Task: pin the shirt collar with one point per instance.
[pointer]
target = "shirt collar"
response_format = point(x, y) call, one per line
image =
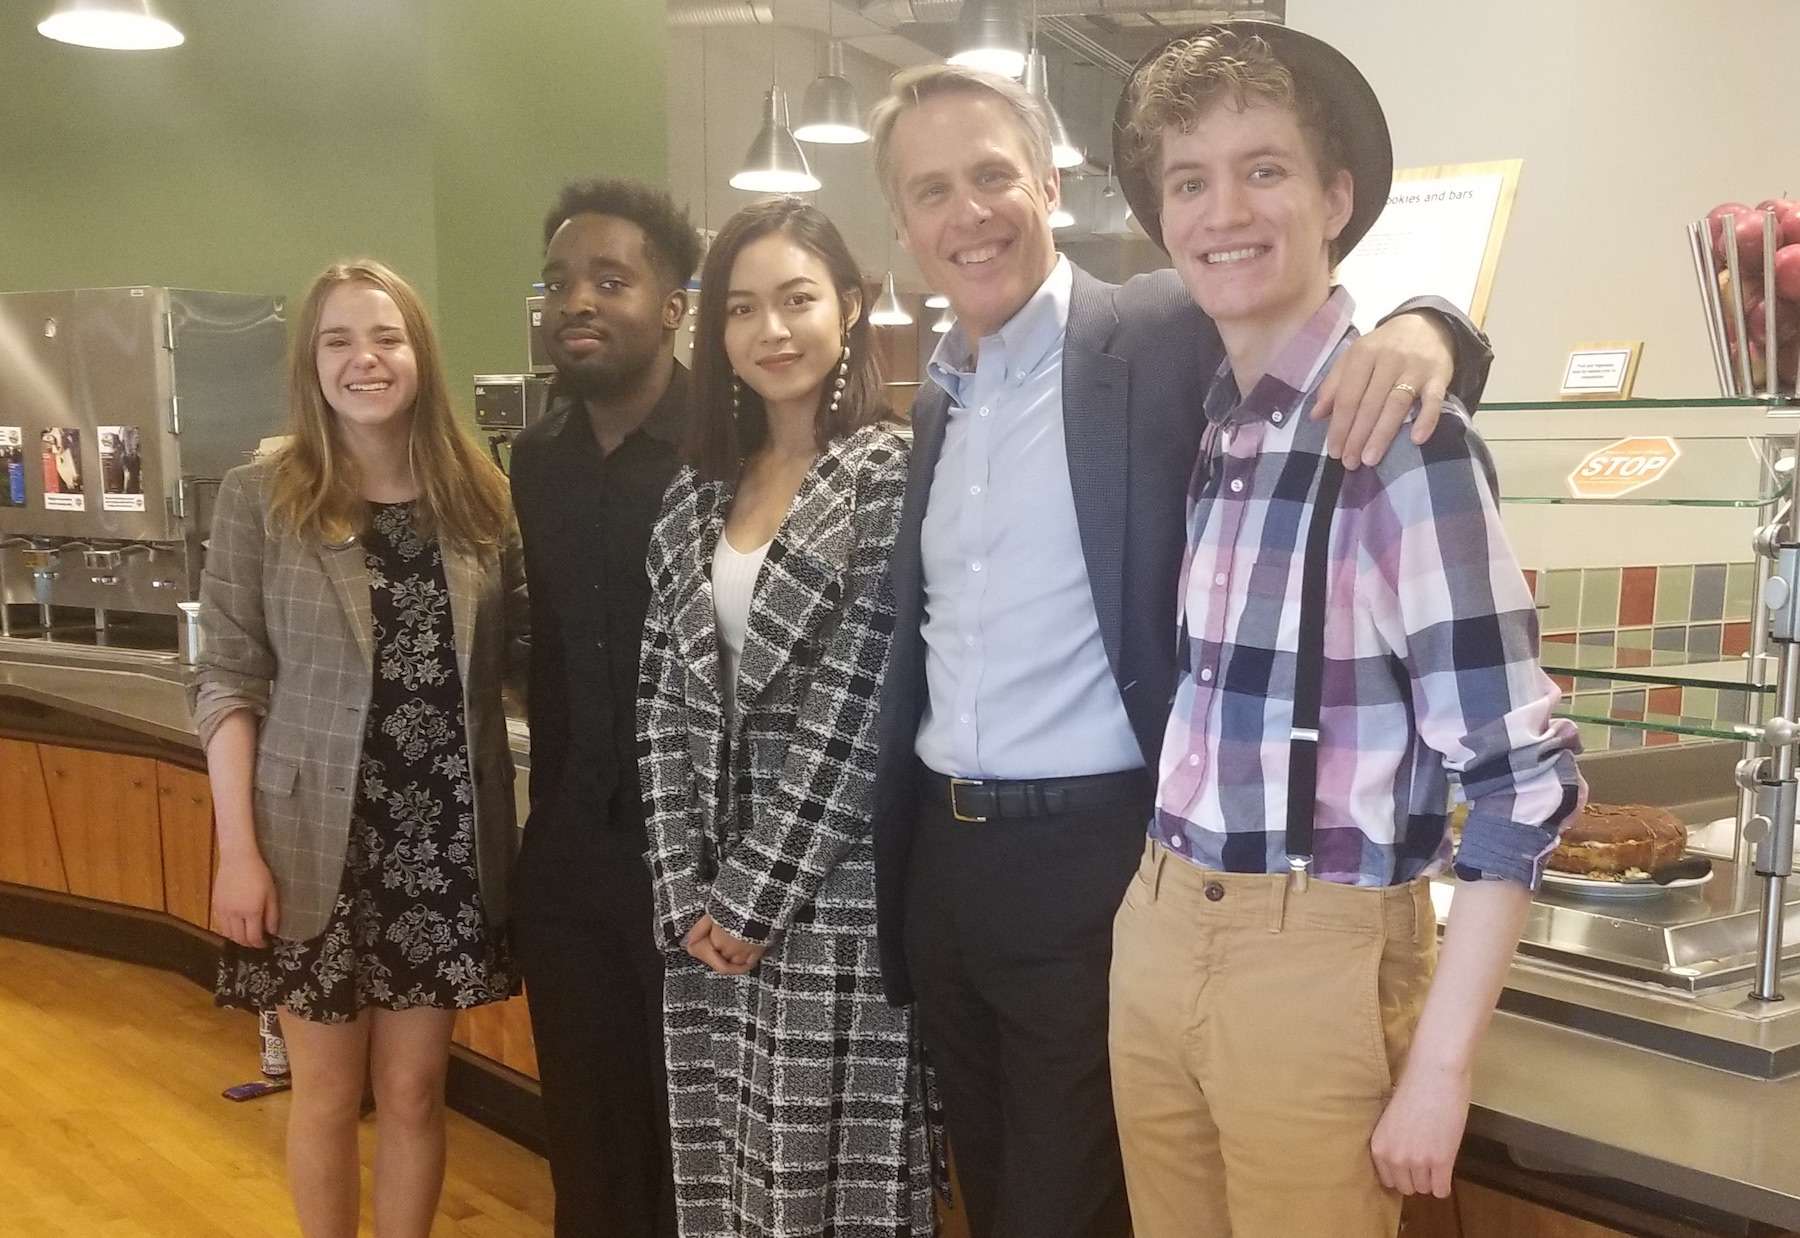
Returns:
point(1292, 373)
point(1028, 337)
point(666, 422)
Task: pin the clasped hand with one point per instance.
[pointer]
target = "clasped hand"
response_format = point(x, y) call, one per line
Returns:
point(719, 950)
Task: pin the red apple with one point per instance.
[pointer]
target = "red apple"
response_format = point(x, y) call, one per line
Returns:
point(1715, 219)
point(1749, 229)
point(1787, 272)
point(1787, 220)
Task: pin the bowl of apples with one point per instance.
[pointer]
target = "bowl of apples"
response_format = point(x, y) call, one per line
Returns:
point(1747, 259)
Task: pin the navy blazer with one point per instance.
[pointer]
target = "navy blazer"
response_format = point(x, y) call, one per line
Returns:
point(1137, 360)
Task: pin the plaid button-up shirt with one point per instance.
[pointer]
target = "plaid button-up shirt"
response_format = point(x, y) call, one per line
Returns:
point(1430, 649)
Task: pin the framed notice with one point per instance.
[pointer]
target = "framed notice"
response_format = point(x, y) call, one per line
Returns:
point(1604, 370)
point(1439, 235)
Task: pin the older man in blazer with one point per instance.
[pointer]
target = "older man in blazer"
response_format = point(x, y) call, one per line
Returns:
point(1034, 658)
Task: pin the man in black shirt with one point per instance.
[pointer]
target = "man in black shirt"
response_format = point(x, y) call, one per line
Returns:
point(588, 482)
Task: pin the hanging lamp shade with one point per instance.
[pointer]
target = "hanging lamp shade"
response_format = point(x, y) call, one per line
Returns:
point(113, 25)
point(775, 164)
point(1061, 217)
point(944, 322)
point(937, 300)
point(829, 113)
point(888, 311)
point(990, 34)
point(1064, 153)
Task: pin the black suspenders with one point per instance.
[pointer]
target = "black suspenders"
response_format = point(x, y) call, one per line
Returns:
point(1309, 669)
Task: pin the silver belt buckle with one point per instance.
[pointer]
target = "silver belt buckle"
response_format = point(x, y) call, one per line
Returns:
point(957, 812)
point(1299, 873)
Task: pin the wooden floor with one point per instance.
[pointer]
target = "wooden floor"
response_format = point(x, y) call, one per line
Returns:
point(111, 1123)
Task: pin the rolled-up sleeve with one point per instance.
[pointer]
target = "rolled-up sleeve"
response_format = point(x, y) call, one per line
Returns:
point(1470, 650)
point(236, 665)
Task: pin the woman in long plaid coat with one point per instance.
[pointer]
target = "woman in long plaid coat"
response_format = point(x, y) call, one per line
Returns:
point(796, 1098)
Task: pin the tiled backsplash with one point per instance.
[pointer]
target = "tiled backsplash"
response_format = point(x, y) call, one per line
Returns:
point(1634, 616)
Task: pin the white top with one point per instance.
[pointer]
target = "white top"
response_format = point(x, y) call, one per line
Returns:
point(734, 583)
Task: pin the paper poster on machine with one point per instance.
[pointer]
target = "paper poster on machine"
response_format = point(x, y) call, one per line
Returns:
point(121, 470)
point(62, 470)
point(12, 466)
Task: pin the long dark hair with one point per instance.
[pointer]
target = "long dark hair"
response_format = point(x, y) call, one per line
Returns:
point(719, 441)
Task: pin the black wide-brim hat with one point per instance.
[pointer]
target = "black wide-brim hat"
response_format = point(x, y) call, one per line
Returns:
point(1350, 107)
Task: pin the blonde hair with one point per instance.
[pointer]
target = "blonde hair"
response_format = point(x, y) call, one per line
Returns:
point(911, 87)
point(314, 492)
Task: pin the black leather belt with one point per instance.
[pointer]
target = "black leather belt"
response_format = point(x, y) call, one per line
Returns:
point(976, 800)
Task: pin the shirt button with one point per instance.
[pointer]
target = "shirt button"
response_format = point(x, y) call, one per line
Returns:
point(1214, 891)
point(964, 719)
point(1275, 417)
point(974, 489)
point(1206, 674)
point(975, 566)
point(984, 411)
point(969, 641)
point(1218, 578)
point(1193, 758)
point(1237, 485)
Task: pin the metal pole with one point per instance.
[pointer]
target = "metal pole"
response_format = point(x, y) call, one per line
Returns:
point(1776, 795)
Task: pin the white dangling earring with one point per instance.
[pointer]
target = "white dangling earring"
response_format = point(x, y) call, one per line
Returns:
point(843, 377)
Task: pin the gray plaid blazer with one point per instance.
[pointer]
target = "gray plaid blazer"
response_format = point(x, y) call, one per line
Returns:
point(769, 821)
point(288, 635)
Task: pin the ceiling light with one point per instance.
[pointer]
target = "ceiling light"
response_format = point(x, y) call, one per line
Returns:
point(1063, 151)
point(775, 164)
point(888, 311)
point(937, 300)
point(829, 113)
point(944, 322)
point(990, 34)
point(114, 25)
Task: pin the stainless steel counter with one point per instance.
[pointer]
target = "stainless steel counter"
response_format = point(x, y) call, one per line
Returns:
point(1558, 1098)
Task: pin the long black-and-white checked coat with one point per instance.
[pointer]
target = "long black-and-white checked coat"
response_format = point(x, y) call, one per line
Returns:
point(796, 1097)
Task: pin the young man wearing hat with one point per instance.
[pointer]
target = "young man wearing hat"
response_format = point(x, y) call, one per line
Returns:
point(1283, 1060)
point(1032, 666)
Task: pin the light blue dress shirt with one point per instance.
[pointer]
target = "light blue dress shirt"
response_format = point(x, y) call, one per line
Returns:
point(1016, 672)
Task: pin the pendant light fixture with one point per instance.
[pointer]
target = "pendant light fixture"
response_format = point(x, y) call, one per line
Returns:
point(1064, 153)
point(990, 34)
point(113, 25)
point(775, 164)
point(888, 311)
point(944, 322)
point(1061, 217)
point(937, 300)
point(829, 113)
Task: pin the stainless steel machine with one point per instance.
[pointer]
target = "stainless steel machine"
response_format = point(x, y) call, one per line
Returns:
point(120, 411)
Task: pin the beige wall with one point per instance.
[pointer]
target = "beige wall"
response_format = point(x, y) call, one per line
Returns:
point(1632, 117)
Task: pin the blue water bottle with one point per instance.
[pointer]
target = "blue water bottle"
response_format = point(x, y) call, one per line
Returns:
point(15, 481)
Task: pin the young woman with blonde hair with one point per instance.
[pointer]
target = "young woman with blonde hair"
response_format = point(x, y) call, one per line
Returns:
point(362, 602)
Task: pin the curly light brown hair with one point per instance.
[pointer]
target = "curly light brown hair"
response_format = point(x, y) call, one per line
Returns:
point(1192, 76)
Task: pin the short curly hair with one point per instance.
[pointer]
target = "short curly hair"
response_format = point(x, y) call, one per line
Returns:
point(674, 246)
point(1194, 75)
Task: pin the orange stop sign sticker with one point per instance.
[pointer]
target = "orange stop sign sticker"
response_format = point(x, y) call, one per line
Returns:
point(1621, 467)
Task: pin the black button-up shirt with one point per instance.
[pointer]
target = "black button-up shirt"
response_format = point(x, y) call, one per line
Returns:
point(586, 520)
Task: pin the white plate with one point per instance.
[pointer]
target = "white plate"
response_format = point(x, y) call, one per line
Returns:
point(1602, 887)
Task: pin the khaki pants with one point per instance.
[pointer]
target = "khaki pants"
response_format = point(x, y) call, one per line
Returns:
point(1256, 1033)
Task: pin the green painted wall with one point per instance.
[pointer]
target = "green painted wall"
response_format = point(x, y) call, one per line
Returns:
point(285, 133)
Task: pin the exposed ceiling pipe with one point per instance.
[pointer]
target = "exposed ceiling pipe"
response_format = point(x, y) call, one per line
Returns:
point(697, 13)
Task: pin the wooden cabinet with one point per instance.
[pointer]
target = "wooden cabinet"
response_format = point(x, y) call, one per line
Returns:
point(30, 854)
point(184, 806)
point(105, 811)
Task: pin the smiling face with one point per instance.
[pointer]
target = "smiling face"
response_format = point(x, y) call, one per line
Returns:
point(784, 322)
point(1247, 220)
point(974, 211)
point(365, 361)
point(607, 309)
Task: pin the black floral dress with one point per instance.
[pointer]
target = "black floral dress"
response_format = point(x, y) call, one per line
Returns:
point(408, 928)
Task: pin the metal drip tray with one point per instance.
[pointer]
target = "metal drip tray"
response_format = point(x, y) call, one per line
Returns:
point(1692, 940)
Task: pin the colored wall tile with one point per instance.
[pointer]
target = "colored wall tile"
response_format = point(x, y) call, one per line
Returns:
point(1670, 640)
point(1709, 592)
point(1736, 639)
point(1703, 642)
point(1660, 739)
point(1699, 702)
point(1637, 596)
point(1666, 701)
point(1734, 706)
point(1674, 591)
point(1629, 704)
point(1559, 593)
point(1634, 647)
point(1599, 598)
point(1740, 590)
point(1624, 737)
